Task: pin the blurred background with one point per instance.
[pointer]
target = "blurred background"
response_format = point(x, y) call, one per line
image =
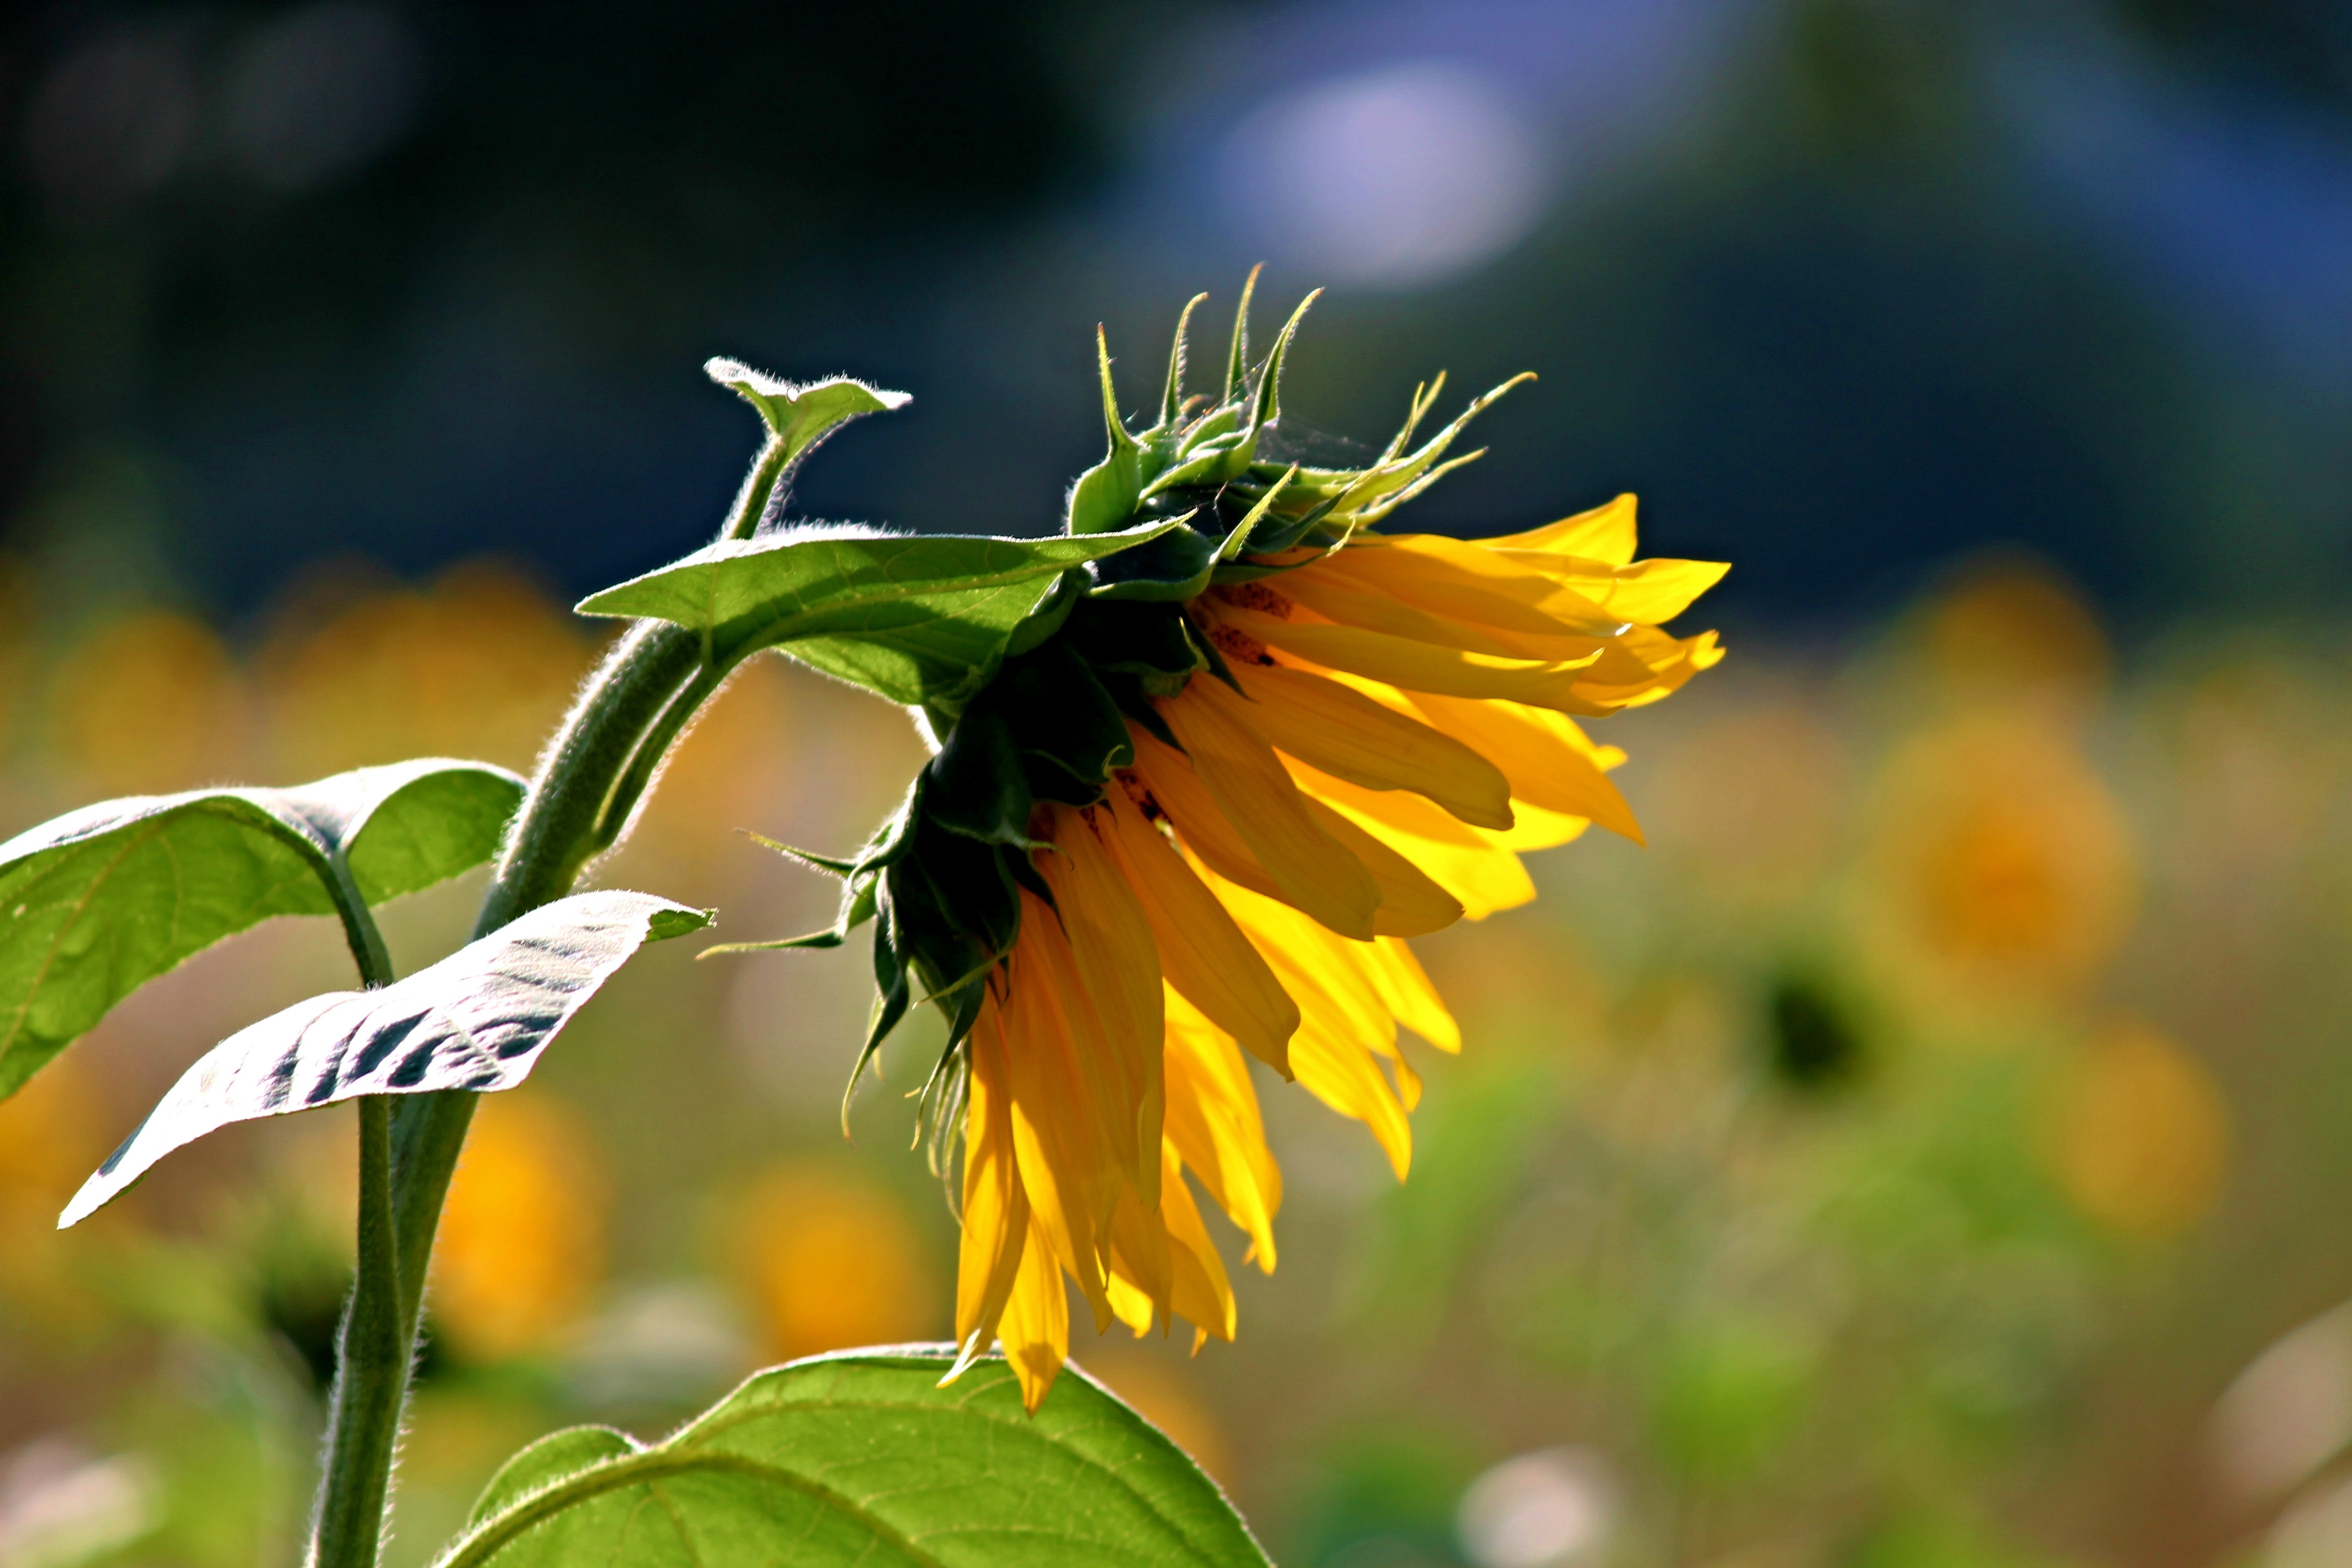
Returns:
point(1929, 1153)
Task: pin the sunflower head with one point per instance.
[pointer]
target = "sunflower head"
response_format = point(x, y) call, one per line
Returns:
point(942, 879)
point(1188, 811)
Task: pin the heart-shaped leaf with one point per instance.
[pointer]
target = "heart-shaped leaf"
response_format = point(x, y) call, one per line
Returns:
point(862, 1458)
point(478, 1020)
point(919, 618)
point(99, 901)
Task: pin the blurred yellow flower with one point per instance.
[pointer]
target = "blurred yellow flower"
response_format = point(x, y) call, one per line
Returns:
point(2140, 1133)
point(49, 1140)
point(831, 1261)
point(148, 703)
point(521, 1243)
point(481, 664)
point(2004, 857)
point(2010, 626)
point(1398, 731)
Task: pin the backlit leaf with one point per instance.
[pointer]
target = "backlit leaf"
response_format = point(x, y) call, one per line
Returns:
point(99, 901)
point(478, 1020)
point(801, 416)
point(861, 1458)
point(919, 618)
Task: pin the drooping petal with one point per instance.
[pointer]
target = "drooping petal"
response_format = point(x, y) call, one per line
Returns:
point(1202, 953)
point(1405, 989)
point(1411, 904)
point(1548, 760)
point(1141, 1277)
point(1199, 1290)
point(995, 1204)
point(1345, 733)
point(1115, 1005)
point(1247, 780)
point(1483, 876)
point(1215, 1125)
point(1036, 1324)
point(1062, 1146)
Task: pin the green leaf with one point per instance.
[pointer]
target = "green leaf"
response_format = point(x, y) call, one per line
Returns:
point(478, 1020)
point(921, 619)
point(97, 902)
point(800, 415)
point(860, 1459)
point(547, 1461)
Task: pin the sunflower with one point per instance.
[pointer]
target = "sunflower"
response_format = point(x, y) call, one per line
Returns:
point(1216, 783)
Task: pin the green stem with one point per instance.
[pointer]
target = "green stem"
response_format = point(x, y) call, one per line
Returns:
point(371, 1368)
point(370, 1358)
point(601, 762)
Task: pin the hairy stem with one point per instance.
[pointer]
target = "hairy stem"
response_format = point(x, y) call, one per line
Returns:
point(370, 1358)
point(371, 1369)
point(590, 779)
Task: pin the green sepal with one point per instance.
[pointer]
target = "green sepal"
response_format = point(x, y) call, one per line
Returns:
point(1171, 569)
point(1172, 397)
point(815, 862)
point(1105, 494)
point(857, 905)
point(1132, 639)
point(1213, 658)
point(1061, 715)
point(1135, 701)
point(1237, 356)
point(890, 1002)
point(1024, 875)
point(1268, 407)
point(1043, 622)
point(977, 787)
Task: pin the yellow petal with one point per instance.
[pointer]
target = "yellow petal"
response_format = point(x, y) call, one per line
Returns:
point(1215, 1125)
point(1201, 952)
point(1478, 590)
point(1060, 1140)
point(1317, 967)
point(1142, 1271)
point(1342, 1020)
point(1408, 1082)
point(1036, 1325)
point(1536, 829)
point(1419, 665)
point(1247, 780)
point(1405, 988)
point(995, 1205)
point(1114, 1008)
point(1346, 733)
point(1201, 1291)
point(1172, 788)
point(1650, 592)
point(1411, 904)
point(1343, 1076)
point(1548, 760)
point(1330, 595)
point(1605, 535)
point(1458, 857)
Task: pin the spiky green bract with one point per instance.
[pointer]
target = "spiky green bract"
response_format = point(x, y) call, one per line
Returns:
point(941, 879)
